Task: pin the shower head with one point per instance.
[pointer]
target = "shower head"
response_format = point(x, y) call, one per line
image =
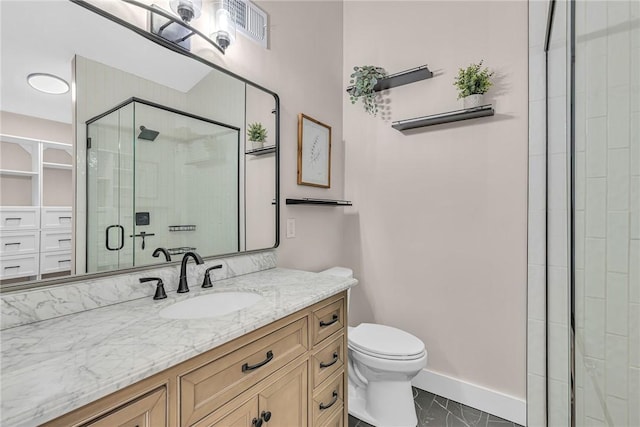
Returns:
point(148, 134)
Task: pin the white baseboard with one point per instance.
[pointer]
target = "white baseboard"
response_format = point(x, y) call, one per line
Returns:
point(490, 401)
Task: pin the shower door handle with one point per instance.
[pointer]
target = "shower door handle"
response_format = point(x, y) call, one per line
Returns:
point(106, 240)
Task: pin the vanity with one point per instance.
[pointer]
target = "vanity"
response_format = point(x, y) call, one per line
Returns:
point(278, 362)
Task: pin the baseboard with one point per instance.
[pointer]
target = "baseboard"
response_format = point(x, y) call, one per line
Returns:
point(490, 401)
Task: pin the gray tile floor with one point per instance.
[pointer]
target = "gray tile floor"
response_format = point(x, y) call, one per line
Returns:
point(436, 411)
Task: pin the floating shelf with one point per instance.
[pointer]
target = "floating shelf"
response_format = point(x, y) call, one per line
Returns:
point(181, 250)
point(448, 117)
point(182, 227)
point(326, 202)
point(402, 78)
point(261, 151)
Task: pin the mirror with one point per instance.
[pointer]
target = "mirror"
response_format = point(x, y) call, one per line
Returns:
point(151, 152)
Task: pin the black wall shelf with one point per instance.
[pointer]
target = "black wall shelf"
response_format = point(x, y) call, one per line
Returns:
point(325, 202)
point(261, 151)
point(402, 78)
point(448, 117)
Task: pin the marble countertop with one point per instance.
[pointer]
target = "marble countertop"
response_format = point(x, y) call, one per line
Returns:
point(55, 366)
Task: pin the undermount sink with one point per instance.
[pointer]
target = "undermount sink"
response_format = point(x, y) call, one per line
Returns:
point(211, 305)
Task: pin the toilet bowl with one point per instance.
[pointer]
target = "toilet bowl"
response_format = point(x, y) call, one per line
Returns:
point(382, 362)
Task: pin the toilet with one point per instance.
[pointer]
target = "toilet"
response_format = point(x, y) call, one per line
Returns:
point(382, 362)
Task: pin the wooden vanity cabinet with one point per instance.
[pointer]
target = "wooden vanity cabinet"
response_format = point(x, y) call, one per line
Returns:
point(290, 373)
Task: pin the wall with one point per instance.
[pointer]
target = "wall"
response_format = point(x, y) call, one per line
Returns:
point(437, 236)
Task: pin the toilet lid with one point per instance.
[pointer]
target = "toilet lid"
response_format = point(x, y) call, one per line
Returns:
point(385, 341)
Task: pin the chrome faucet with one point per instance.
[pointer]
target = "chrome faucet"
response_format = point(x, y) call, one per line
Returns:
point(182, 285)
point(158, 251)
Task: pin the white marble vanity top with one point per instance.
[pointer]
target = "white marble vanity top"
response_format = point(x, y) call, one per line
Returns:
point(55, 366)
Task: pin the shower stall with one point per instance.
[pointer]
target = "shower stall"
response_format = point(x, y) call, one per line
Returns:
point(159, 177)
point(584, 214)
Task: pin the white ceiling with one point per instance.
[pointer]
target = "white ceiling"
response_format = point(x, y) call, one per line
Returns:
point(43, 37)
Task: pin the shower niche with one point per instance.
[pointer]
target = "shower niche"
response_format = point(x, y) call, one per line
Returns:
point(154, 176)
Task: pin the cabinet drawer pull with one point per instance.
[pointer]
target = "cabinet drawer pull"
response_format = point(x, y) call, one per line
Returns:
point(11, 266)
point(246, 367)
point(333, 362)
point(333, 320)
point(13, 218)
point(330, 404)
point(63, 260)
point(63, 240)
point(12, 244)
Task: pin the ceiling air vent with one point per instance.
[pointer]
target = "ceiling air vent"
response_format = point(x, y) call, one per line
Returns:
point(251, 21)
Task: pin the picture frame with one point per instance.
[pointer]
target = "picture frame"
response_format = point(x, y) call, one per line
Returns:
point(314, 152)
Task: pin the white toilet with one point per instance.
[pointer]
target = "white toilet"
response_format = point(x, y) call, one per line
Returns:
point(382, 362)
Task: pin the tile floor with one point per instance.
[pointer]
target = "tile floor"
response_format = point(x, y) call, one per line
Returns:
point(437, 411)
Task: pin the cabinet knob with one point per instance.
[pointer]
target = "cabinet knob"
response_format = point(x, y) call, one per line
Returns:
point(266, 416)
point(256, 422)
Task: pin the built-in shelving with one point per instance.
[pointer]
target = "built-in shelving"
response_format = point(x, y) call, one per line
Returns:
point(402, 78)
point(448, 117)
point(261, 151)
point(52, 165)
point(17, 173)
point(325, 202)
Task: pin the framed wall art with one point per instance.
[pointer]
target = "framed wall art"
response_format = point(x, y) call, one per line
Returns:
point(314, 152)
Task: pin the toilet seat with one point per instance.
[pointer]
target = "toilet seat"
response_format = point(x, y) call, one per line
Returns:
point(385, 342)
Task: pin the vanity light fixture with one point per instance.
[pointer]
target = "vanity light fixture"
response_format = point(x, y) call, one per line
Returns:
point(187, 9)
point(224, 23)
point(48, 83)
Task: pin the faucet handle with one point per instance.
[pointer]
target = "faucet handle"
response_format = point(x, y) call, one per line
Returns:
point(160, 293)
point(206, 283)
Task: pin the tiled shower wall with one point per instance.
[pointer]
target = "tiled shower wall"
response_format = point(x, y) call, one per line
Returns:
point(607, 220)
point(606, 216)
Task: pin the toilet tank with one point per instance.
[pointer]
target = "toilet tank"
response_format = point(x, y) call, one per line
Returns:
point(345, 272)
point(338, 271)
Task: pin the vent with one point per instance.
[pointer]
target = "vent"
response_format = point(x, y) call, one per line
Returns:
point(251, 21)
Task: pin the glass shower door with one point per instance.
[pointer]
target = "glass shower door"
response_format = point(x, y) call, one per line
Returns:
point(110, 191)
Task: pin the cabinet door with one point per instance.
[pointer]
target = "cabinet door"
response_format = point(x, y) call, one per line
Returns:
point(243, 416)
point(284, 403)
point(147, 411)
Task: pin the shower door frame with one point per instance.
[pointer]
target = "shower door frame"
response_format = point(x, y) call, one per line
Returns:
point(174, 111)
point(570, 141)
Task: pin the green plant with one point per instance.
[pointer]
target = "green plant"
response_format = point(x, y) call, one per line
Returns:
point(256, 132)
point(364, 79)
point(473, 80)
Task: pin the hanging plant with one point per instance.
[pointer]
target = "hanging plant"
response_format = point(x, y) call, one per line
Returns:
point(364, 79)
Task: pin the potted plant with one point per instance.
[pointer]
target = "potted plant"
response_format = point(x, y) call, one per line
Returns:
point(364, 79)
point(257, 135)
point(473, 82)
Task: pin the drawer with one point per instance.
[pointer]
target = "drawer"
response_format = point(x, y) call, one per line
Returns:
point(18, 266)
point(146, 411)
point(205, 389)
point(328, 360)
point(327, 320)
point(19, 243)
point(56, 217)
point(328, 399)
point(55, 240)
point(336, 420)
point(22, 218)
point(53, 262)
